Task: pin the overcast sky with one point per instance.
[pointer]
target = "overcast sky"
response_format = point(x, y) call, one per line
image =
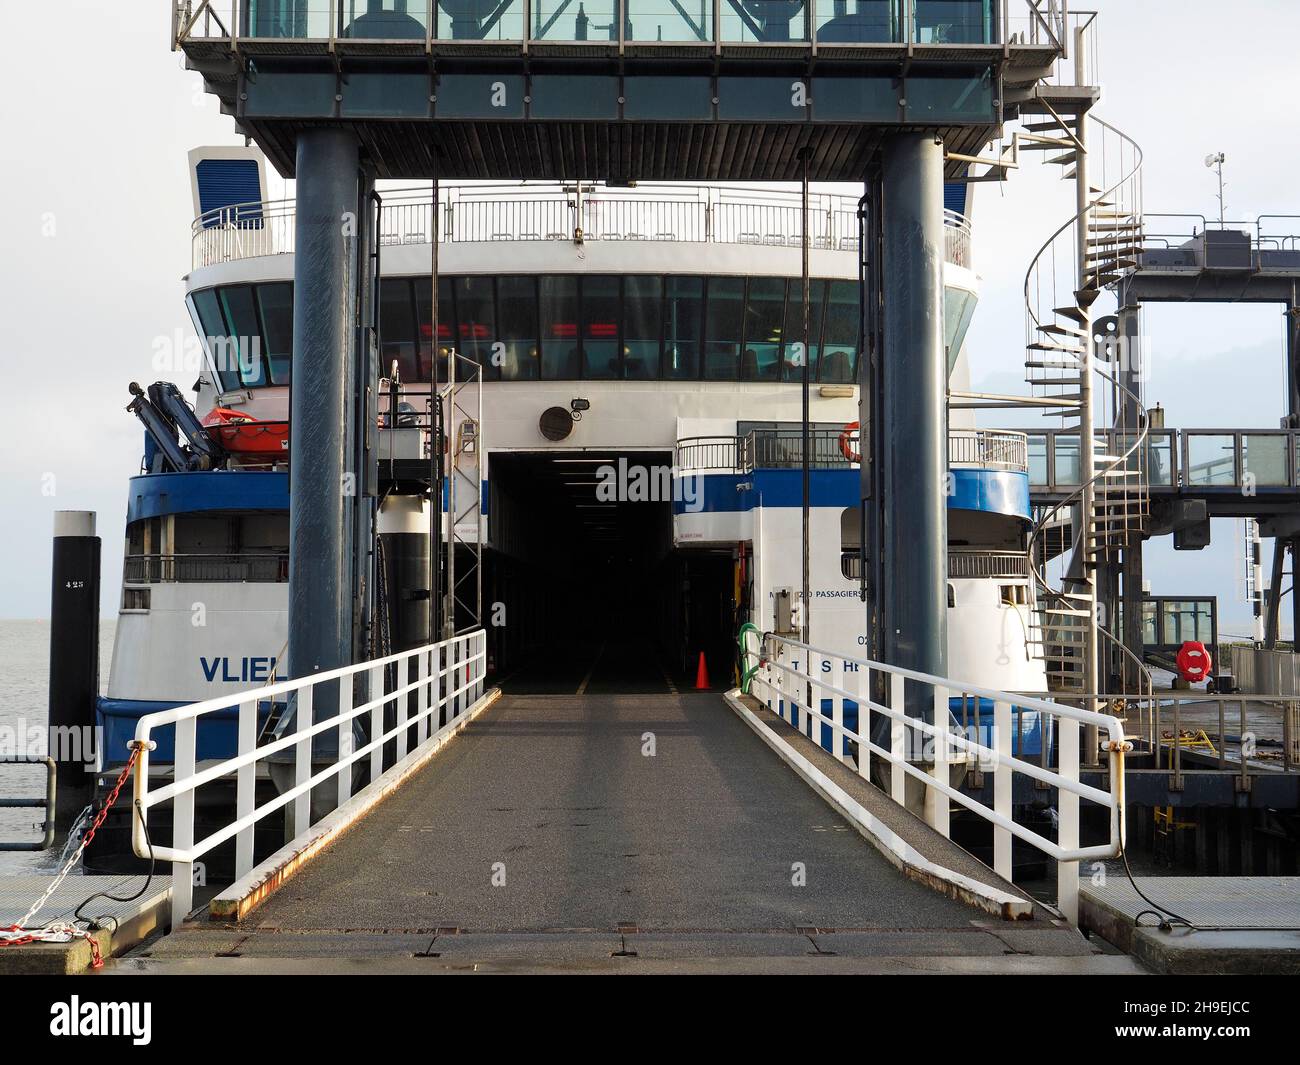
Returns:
point(97, 211)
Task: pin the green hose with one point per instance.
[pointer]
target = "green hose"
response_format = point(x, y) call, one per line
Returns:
point(747, 675)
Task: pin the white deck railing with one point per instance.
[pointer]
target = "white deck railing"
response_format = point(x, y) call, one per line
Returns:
point(429, 692)
point(785, 682)
point(539, 211)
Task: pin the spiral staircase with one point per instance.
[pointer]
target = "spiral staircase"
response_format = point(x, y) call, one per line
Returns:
point(1077, 368)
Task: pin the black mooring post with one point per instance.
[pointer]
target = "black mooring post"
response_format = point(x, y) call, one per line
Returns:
point(74, 658)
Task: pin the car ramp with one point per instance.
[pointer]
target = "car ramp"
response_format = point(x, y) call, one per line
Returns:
point(607, 832)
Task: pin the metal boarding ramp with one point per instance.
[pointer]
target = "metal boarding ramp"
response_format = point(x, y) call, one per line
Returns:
point(620, 815)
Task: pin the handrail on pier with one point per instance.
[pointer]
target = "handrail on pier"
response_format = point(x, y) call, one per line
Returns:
point(426, 692)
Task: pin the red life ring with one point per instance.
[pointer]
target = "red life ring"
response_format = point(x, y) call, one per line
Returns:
point(846, 445)
point(1194, 661)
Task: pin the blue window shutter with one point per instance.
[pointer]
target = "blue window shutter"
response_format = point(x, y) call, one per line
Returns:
point(227, 182)
point(954, 197)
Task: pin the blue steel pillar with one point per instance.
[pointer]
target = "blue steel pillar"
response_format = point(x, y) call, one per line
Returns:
point(322, 486)
point(913, 412)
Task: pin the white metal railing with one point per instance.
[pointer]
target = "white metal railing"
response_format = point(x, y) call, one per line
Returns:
point(988, 449)
point(541, 211)
point(428, 692)
point(797, 681)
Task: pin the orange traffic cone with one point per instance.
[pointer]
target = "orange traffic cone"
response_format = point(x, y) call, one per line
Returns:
point(702, 676)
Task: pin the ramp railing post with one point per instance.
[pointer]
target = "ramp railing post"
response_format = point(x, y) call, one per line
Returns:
point(897, 742)
point(344, 774)
point(936, 802)
point(302, 761)
point(422, 696)
point(1067, 803)
point(837, 710)
point(183, 823)
point(245, 788)
point(1002, 788)
point(376, 674)
point(401, 706)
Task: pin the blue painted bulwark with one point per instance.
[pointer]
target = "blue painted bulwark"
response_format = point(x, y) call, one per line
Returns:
point(226, 182)
point(156, 494)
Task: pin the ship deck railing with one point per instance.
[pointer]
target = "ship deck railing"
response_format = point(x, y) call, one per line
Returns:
point(468, 213)
point(782, 449)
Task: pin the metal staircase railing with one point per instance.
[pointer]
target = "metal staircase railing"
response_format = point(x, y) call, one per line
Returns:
point(1085, 369)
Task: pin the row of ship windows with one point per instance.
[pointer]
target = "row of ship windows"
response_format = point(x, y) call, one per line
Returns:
point(561, 327)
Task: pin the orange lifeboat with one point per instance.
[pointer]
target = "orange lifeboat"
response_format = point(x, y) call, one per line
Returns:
point(241, 435)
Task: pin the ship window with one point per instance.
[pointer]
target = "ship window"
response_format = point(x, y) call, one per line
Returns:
point(446, 322)
point(600, 328)
point(764, 316)
point(642, 313)
point(517, 322)
point(218, 343)
point(683, 318)
point(793, 365)
point(952, 596)
point(726, 318)
point(559, 303)
point(397, 329)
point(241, 319)
point(840, 343)
point(275, 302)
point(476, 321)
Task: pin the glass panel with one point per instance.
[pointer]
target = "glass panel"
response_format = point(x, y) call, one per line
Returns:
point(1067, 460)
point(589, 20)
point(840, 344)
point(762, 99)
point(384, 20)
point(794, 327)
point(1266, 459)
point(1037, 444)
point(956, 99)
point(446, 325)
point(1210, 460)
point(517, 325)
point(725, 321)
point(642, 314)
point(855, 100)
point(386, 92)
point(1149, 624)
point(764, 319)
point(1204, 625)
point(665, 20)
point(476, 322)
point(287, 18)
point(559, 303)
point(276, 304)
point(481, 22)
point(954, 21)
point(221, 350)
point(664, 97)
point(863, 22)
point(600, 328)
point(1160, 466)
point(764, 20)
point(683, 319)
point(241, 319)
point(558, 96)
point(480, 96)
point(296, 93)
point(397, 329)
point(958, 310)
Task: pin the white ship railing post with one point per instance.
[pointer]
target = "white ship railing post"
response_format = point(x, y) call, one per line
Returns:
point(936, 801)
point(1002, 785)
point(246, 787)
